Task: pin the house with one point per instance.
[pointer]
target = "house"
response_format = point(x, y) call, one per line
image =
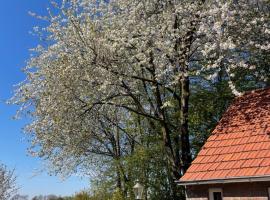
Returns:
point(234, 163)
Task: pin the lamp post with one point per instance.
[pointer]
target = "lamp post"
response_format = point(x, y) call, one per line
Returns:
point(138, 191)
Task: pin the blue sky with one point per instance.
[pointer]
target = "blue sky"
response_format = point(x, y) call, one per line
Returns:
point(15, 40)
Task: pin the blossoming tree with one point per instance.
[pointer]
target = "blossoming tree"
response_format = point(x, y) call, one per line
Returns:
point(7, 183)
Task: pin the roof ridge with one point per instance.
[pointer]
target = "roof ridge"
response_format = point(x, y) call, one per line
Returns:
point(257, 90)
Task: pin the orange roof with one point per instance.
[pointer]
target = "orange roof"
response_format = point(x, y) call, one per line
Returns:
point(240, 144)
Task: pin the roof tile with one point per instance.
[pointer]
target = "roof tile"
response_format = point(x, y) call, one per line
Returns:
point(262, 171)
point(265, 162)
point(240, 144)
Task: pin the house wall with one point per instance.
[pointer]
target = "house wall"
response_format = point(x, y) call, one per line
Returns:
point(231, 191)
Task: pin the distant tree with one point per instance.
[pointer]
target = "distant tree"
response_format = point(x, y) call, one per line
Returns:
point(82, 196)
point(52, 197)
point(7, 183)
point(68, 198)
point(46, 197)
point(40, 197)
point(20, 197)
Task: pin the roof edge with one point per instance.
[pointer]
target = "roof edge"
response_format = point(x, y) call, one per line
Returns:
point(257, 90)
point(227, 180)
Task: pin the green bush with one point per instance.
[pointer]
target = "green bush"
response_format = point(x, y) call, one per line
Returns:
point(117, 195)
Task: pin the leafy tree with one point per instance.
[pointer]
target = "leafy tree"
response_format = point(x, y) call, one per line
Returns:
point(117, 195)
point(50, 197)
point(19, 197)
point(82, 196)
point(68, 198)
point(7, 183)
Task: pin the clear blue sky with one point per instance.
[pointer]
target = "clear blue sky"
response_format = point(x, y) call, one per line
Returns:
point(15, 40)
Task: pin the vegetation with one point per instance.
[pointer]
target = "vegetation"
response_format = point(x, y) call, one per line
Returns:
point(79, 196)
point(131, 89)
point(7, 183)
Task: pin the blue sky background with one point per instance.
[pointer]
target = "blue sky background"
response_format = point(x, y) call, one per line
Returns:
point(15, 40)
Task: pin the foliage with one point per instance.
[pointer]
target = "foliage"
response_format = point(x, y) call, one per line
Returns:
point(19, 197)
point(117, 195)
point(51, 197)
point(206, 109)
point(7, 183)
point(82, 196)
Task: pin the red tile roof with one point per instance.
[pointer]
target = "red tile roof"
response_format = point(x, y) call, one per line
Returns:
point(240, 144)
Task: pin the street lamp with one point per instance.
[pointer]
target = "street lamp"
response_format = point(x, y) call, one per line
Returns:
point(138, 191)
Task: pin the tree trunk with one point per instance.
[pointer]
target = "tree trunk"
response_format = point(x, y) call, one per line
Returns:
point(118, 182)
point(185, 143)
